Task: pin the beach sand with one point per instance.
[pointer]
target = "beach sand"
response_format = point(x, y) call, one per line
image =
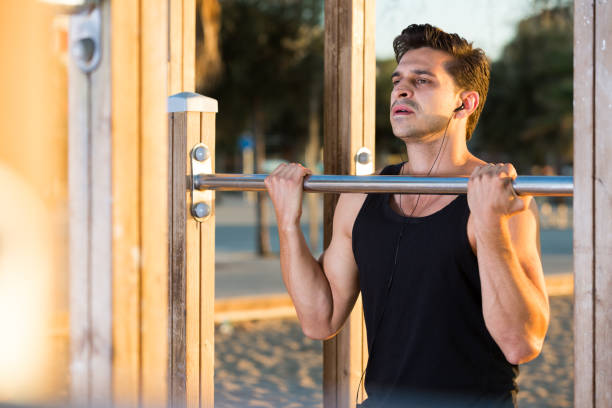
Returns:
point(270, 363)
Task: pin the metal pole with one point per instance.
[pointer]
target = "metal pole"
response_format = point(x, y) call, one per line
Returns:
point(523, 185)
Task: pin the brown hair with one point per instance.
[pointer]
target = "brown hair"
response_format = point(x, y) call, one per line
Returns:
point(469, 67)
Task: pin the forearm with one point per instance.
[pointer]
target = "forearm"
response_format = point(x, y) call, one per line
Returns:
point(306, 283)
point(514, 309)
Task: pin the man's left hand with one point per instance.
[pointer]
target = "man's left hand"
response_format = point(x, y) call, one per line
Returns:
point(491, 196)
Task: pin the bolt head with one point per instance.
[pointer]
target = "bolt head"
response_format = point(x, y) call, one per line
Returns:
point(363, 158)
point(200, 153)
point(83, 49)
point(200, 210)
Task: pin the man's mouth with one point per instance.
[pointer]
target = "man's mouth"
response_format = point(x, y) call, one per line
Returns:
point(399, 110)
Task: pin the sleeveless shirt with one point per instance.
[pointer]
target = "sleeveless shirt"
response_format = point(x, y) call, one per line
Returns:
point(427, 340)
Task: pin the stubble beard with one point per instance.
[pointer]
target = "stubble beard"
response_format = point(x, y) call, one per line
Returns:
point(430, 127)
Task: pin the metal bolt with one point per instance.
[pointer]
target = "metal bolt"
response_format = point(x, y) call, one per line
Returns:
point(83, 50)
point(200, 210)
point(363, 158)
point(200, 153)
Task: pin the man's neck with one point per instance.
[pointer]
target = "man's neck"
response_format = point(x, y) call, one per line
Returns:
point(450, 158)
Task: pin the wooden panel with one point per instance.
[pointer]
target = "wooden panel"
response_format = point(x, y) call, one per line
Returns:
point(583, 205)
point(369, 77)
point(192, 272)
point(101, 222)
point(125, 66)
point(192, 268)
point(177, 278)
point(181, 46)
point(331, 140)
point(189, 44)
point(175, 47)
point(207, 274)
point(154, 202)
point(602, 302)
point(349, 64)
point(79, 215)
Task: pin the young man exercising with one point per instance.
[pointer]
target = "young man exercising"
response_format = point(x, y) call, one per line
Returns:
point(452, 286)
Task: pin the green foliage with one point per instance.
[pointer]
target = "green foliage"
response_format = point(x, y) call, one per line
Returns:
point(273, 64)
point(527, 117)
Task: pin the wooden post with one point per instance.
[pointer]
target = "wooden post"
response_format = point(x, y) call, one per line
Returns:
point(119, 190)
point(192, 253)
point(89, 149)
point(348, 126)
point(592, 204)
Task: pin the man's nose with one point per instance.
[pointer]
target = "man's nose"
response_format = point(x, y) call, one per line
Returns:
point(403, 91)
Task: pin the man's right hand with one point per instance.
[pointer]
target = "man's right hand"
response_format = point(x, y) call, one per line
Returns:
point(286, 187)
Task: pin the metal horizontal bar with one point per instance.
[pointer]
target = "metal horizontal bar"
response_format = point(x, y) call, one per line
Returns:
point(559, 186)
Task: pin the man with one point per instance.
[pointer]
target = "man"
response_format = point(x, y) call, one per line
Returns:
point(452, 286)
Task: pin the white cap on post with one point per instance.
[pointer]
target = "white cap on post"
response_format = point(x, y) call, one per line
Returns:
point(191, 102)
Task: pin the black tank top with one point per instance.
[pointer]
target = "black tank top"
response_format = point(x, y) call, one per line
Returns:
point(427, 339)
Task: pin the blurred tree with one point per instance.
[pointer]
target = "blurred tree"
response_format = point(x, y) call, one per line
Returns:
point(527, 118)
point(208, 54)
point(270, 81)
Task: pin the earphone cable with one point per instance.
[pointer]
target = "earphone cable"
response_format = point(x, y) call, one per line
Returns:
point(389, 283)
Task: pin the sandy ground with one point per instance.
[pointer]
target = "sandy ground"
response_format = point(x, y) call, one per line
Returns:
point(271, 364)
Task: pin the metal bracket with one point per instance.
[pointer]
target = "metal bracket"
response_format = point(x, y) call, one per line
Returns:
point(201, 201)
point(364, 163)
point(85, 39)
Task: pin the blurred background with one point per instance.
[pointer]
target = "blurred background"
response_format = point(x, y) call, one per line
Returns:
point(263, 61)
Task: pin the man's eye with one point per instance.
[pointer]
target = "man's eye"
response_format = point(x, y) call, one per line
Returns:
point(422, 81)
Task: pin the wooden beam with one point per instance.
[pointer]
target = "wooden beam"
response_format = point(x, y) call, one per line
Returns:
point(181, 46)
point(177, 275)
point(79, 249)
point(583, 205)
point(90, 244)
point(100, 160)
point(602, 180)
point(154, 201)
point(348, 125)
point(207, 274)
point(126, 205)
point(119, 228)
point(592, 204)
point(192, 120)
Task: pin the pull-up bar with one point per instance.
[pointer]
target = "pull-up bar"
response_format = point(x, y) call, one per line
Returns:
point(559, 186)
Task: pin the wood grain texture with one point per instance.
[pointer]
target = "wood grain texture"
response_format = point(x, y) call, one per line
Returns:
point(330, 149)
point(192, 271)
point(125, 68)
point(79, 248)
point(348, 126)
point(602, 302)
point(181, 46)
point(154, 202)
point(177, 273)
point(369, 77)
point(207, 278)
point(101, 221)
point(175, 47)
point(189, 44)
point(583, 205)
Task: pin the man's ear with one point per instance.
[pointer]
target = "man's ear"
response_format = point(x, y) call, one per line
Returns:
point(470, 101)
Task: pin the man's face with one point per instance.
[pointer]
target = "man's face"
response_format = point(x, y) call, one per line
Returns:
point(423, 96)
